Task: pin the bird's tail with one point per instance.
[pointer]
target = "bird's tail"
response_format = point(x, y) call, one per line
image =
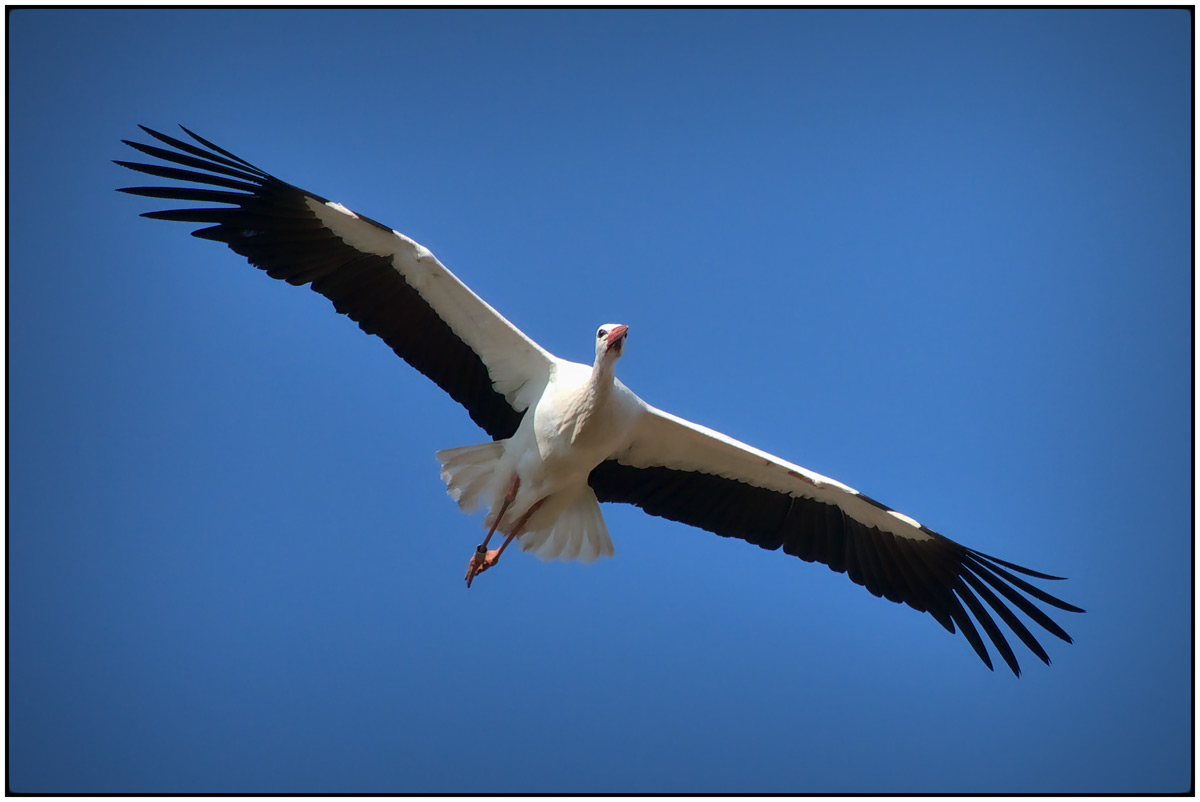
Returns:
point(568, 528)
point(467, 472)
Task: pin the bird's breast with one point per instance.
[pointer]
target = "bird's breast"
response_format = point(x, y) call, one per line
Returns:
point(578, 426)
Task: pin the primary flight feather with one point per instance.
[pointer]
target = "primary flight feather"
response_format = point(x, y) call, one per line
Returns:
point(566, 436)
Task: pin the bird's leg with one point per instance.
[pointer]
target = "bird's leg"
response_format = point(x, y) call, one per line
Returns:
point(479, 561)
point(485, 559)
point(509, 498)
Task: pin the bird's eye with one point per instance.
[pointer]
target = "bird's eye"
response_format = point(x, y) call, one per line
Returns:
point(600, 333)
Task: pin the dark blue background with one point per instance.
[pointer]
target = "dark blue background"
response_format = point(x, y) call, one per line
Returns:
point(944, 257)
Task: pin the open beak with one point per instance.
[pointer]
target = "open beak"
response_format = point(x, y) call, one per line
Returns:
point(616, 337)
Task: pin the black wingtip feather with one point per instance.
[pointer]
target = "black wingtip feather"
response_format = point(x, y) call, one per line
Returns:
point(981, 570)
point(1032, 590)
point(1007, 615)
point(1018, 568)
point(178, 144)
point(216, 148)
point(989, 626)
point(968, 628)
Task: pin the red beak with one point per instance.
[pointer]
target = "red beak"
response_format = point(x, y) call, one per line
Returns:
point(616, 335)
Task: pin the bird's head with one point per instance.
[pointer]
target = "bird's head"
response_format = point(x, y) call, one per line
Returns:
point(610, 341)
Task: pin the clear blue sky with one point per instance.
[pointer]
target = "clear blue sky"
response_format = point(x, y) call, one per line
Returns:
point(944, 257)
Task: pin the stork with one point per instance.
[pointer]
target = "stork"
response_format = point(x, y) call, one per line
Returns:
point(566, 436)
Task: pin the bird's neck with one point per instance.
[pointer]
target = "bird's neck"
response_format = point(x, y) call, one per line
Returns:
point(603, 373)
point(588, 409)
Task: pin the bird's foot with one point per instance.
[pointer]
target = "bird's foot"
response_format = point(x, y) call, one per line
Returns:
point(480, 562)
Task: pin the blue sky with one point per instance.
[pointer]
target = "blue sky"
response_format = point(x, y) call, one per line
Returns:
point(944, 257)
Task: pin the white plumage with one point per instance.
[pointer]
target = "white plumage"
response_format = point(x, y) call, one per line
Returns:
point(580, 417)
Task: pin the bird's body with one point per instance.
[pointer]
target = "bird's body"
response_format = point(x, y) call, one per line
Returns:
point(566, 436)
point(581, 417)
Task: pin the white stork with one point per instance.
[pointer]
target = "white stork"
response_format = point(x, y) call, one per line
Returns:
point(566, 436)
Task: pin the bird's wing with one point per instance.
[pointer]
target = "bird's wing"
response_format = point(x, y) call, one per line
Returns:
point(685, 472)
point(390, 285)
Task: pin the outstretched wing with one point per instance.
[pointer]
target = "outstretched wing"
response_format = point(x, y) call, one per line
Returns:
point(390, 285)
point(685, 472)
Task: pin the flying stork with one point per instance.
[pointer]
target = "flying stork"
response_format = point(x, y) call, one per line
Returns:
point(565, 436)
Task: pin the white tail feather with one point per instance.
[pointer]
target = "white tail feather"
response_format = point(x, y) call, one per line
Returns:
point(577, 532)
point(467, 472)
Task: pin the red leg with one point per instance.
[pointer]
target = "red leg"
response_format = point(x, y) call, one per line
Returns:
point(509, 497)
point(479, 559)
point(485, 559)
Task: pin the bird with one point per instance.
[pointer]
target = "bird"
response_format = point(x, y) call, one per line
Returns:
point(566, 436)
